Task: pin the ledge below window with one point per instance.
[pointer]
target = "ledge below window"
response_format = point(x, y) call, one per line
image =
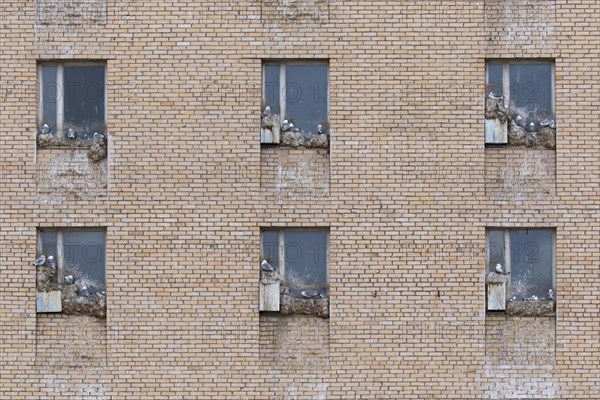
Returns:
point(538, 308)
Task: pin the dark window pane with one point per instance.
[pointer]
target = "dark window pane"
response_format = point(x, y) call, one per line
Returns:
point(84, 89)
point(49, 238)
point(495, 249)
point(49, 93)
point(531, 90)
point(531, 262)
point(272, 88)
point(495, 79)
point(270, 250)
point(306, 259)
point(85, 256)
point(306, 96)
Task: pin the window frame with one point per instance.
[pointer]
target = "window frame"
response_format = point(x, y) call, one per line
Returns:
point(282, 63)
point(508, 254)
point(60, 105)
point(506, 77)
point(60, 247)
point(281, 247)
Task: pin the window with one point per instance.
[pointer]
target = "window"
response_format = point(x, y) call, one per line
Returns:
point(300, 257)
point(72, 96)
point(522, 94)
point(296, 94)
point(74, 265)
point(526, 258)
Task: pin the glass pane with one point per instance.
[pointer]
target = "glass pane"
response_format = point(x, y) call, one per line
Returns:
point(531, 90)
point(306, 96)
point(49, 238)
point(495, 79)
point(270, 249)
point(495, 249)
point(272, 88)
point(49, 93)
point(85, 257)
point(84, 99)
point(531, 262)
point(306, 259)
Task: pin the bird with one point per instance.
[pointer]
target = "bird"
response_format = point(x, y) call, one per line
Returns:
point(552, 124)
point(71, 134)
point(265, 266)
point(502, 108)
point(532, 298)
point(520, 121)
point(45, 129)
point(493, 95)
point(69, 279)
point(513, 298)
point(267, 111)
point(40, 261)
point(51, 262)
point(551, 294)
point(320, 129)
point(84, 291)
point(285, 125)
point(311, 294)
point(99, 136)
point(545, 122)
point(499, 269)
point(531, 127)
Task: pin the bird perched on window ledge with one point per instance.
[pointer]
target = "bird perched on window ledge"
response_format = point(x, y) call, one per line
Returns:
point(40, 261)
point(265, 266)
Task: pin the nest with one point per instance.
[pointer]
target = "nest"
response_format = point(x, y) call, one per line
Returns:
point(518, 136)
point(290, 304)
point(495, 109)
point(298, 139)
point(269, 277)
point(97, 146)
point(73, 303)
point(494, 277)
point(536, 308)
point(46, 279)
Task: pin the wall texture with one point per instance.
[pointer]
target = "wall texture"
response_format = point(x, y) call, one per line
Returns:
point(406, 191)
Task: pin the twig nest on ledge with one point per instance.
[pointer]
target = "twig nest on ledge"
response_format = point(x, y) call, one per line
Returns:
point(290, 304)
point(537, 308)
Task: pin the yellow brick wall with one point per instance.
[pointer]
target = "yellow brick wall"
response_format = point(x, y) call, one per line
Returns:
point(407, 204)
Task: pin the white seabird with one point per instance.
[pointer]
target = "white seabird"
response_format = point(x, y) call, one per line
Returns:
point(499, 269)
point(265, 266)
point(45, 129)
point(40, 261)
point(311, 294)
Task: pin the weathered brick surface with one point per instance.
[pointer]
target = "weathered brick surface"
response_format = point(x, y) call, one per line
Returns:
point(407, 205)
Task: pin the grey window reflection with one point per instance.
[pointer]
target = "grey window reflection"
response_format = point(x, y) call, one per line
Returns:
point(49, 243)
point(272, 88)
point(84, 102)
point(532, 253)
point(306, 95)
point(495, 79)
point(531, 88)
point(495, 249)
point(270, 247)
point(49, 93)
point(306, 259)
point(85, 256)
